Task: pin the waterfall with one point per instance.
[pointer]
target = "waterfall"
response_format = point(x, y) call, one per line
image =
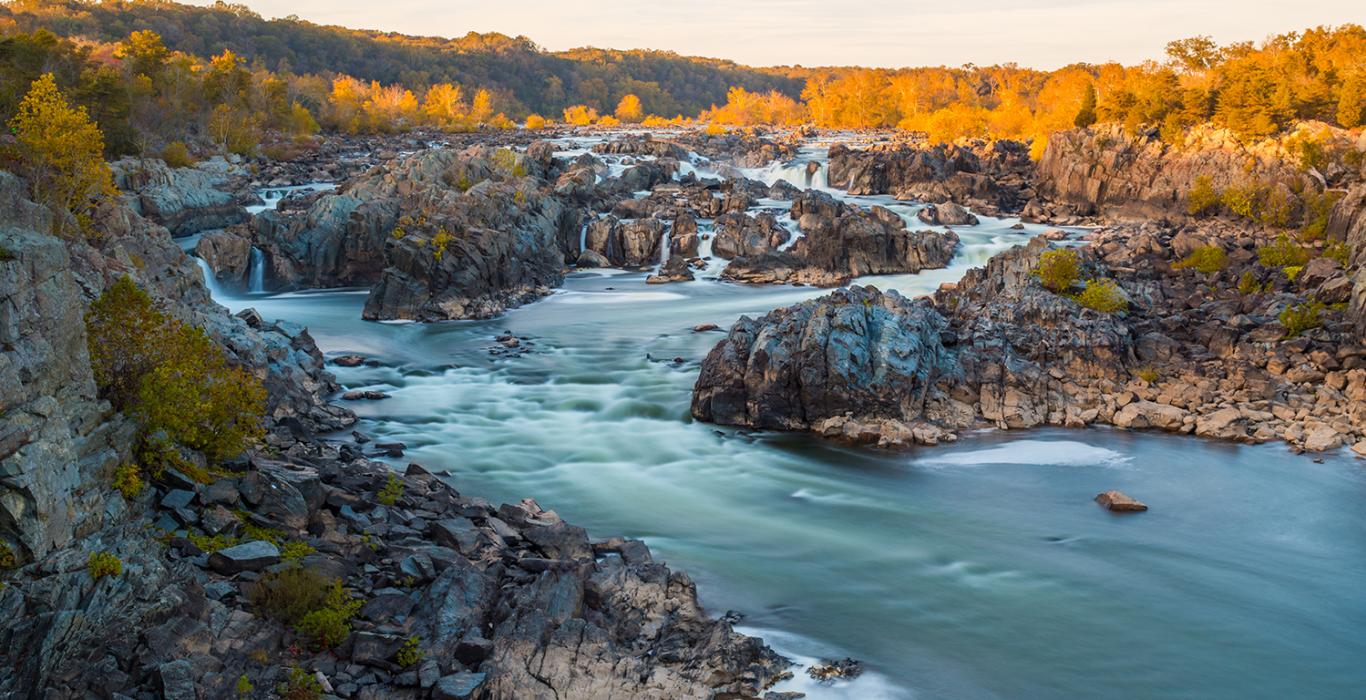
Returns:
point(257, 272)
point(210, 281)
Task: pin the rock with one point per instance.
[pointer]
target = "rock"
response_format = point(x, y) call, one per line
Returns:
point(1360, 448)
point(1148, 414)
point(227, 254)
point(840, 670)
point(856, 349)
point(249, 556)
point(1118, 502)
point(1322, 438)
point(184, 200)
point(946, 214)
point(457, 686)
point(349, 361)
point(592, 258)
point(675, 270)
point(705, 327)
point(364, 395)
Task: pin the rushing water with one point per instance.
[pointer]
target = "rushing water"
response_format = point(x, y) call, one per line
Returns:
point(976, 570)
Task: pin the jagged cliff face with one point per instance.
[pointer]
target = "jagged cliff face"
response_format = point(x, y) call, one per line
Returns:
point(58, 442)
point(1348, 223)
point(1108, 171)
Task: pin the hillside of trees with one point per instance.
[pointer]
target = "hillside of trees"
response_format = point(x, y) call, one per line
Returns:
point(522, 77)
point(160, 78)
point(1256, 90)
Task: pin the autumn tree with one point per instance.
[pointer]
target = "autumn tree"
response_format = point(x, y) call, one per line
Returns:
point(580, 115)
point(1087, 115)
point(61, 151)
point(629, 110)
point(144, 53)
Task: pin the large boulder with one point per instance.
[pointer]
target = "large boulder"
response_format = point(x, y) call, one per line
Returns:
point(184, 200)
point(855, 350)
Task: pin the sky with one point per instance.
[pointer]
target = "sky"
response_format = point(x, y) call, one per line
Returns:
point(1042, 34)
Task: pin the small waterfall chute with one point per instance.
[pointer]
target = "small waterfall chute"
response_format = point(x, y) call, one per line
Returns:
point(256, 273)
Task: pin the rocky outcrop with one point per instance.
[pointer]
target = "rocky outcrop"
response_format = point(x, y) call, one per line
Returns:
point(856, 350)
point(1348, 224)
point(840, 242)
point(946, 214)
point(1192, 354)
point(438, 235)
point(739, 234)
point(1108, 171)
point(57, 447)
point(503, 602)
point(627, 244)
point(990, 177)
point(228, 255)
point(184, 200)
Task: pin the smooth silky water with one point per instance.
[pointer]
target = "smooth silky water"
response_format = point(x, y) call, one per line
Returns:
point(980, 569)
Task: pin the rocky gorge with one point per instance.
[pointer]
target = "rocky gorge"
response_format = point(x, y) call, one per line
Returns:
point(512, 600)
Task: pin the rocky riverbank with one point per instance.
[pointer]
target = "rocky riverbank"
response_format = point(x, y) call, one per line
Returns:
point(192, 588)
point(1206, 353)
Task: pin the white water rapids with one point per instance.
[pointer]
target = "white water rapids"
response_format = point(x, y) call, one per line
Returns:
point(977, 570)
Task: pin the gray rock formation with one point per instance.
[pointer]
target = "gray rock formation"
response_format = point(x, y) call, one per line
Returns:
point(184, 200)
point(1107, 170)
point(57, 449)
point(1348, 223)
point(840, 242)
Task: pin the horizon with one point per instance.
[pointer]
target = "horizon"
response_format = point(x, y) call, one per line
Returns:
point(875, 35)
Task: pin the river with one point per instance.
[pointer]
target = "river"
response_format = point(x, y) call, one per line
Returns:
point(980, 569)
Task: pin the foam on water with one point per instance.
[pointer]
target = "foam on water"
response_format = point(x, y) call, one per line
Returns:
point(1063, 453)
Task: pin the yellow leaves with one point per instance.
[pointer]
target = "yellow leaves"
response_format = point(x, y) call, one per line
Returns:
point(629, 109)
point(580, 115)
point(535, 122)
point(61, 150)
point(745, 108)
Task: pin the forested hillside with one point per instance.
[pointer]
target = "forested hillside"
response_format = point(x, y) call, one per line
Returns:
point(523, 77)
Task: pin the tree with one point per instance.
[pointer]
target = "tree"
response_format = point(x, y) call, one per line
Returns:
point(1351, 111)
point(629, 110)
point(1086, 116)
point(61, 151)
point(481, 109)
point(1194, 54)
point(580, 115)
point(144, 53)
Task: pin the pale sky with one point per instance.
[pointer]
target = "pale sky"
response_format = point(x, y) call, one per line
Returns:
point(888, 33)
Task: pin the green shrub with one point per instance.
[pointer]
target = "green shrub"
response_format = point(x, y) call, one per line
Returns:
point(177, 155)
point(101, 564)
point(1317, 208)
point(1208, 259)
point(409, 654)
point(7, 558)
point(294, 551)
point(1103, 295)
point(1340, 253)
point(1059, 269)
point(1292, 272)
point(1275, 207)
point(128, 481)
point(392, 491)
point(290, 593)
point(6, 255)
point(1248, 284)
point(1282, 253)
point(244, 687)
point(1298, 318)
point(1203, 198)
point(1148, 375)
point(200, 400)
point(329, 625)
point(1242, 200)
point(442, 239)
point(212, 543)
point(318, 607)
point(171, 376)
point(299, 685)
